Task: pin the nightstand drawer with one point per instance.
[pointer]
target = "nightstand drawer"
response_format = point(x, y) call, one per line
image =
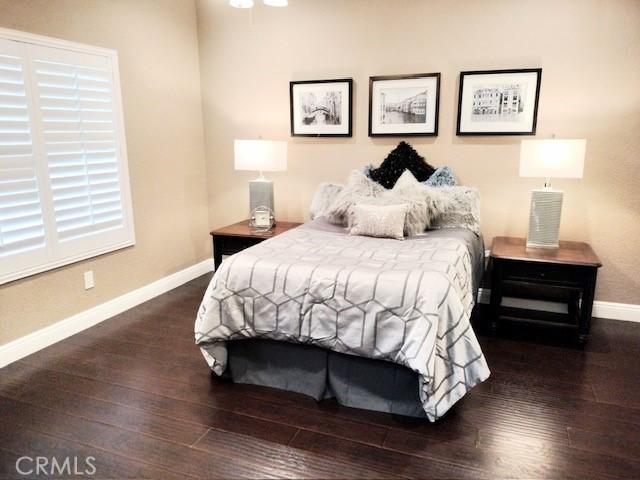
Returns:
point(546, 273)
point(231, 245)
point(538, 290)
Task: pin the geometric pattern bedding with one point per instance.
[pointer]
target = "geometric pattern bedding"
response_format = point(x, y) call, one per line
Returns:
point(407, 302)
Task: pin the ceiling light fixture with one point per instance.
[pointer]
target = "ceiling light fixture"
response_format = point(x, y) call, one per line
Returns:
point(241, 3)
point(249, 3)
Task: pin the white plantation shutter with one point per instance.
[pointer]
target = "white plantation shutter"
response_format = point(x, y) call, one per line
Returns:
point(77, 120)
point(22, 232)
point(64, 191)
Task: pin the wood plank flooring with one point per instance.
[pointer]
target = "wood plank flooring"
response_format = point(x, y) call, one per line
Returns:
point(135, 393)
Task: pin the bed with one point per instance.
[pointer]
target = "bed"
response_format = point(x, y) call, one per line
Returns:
point(376, 323)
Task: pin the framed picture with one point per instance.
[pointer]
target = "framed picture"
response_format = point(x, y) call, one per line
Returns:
point(321, 108)
point(404, 105)
point(499, 102)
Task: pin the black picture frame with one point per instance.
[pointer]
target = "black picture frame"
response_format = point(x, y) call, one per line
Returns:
point(465, 74)
point(349, 122)
point(378, 78)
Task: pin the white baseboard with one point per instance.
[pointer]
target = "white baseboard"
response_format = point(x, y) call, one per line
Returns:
point(611, 310)
point(617, 311)
point(21, 347)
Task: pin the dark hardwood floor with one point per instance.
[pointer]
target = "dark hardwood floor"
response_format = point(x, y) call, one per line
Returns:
point(135, 393)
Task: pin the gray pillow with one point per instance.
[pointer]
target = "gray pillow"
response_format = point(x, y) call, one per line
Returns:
point(386, 221)
point(359, 188)
point(323, 198)
point(461, 208)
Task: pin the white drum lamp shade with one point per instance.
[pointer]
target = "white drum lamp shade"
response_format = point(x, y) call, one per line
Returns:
point(548, 159)
point(260, 156)
point(552, 158)
point(249, 3)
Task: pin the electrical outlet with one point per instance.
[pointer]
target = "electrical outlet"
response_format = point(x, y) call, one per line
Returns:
point(88, 280)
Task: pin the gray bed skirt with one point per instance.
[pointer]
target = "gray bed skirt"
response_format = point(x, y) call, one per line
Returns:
point(353, 381)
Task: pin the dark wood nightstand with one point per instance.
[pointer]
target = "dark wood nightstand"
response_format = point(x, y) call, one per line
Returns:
point(567, 274)
point(234, 238)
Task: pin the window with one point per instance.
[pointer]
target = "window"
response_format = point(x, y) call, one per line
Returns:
point(64, 186)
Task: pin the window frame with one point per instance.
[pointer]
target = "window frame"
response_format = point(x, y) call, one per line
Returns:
point(53, 261)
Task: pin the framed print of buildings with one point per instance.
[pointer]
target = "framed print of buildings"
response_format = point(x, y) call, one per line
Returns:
point(498, 102)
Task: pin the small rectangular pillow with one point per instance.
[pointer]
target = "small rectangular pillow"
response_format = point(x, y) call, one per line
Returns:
point(385, 221)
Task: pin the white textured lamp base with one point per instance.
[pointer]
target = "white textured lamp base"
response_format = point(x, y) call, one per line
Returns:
point(544, 218)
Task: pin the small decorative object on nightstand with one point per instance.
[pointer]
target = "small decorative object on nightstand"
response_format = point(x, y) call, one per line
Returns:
point(567, 274)
point(262, 219)
point(234, 238)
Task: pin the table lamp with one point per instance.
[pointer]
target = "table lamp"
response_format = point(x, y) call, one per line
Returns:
point(261, 156)
point(547, 159)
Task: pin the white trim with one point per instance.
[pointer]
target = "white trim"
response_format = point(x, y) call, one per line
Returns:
point(34, 39)
point(614, 311)
point(45, 267)
point(21, 347)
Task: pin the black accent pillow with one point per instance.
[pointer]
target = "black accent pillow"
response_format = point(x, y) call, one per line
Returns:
point(401, 158)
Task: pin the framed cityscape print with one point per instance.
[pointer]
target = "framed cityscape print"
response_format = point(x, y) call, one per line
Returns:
point(499, 102)
point(321, 108)
point(404, 105)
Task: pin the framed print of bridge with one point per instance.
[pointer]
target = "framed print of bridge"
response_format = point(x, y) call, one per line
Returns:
point(499, 102)
point(404, 105)
point(321, 108)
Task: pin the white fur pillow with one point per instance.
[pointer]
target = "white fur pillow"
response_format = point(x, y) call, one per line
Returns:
point(359, 188)
point(385, 221)
point(461, 208)
point(425, 203)
point(323, 198)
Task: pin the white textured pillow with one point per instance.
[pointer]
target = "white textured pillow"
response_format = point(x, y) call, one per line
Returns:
point(359, 188)
point(461, 208)
point(325, 194)
point(425, 203)
point(385, 221)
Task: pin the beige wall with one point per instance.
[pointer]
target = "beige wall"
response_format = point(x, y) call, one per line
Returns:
point(157, 45)
point(589, 52)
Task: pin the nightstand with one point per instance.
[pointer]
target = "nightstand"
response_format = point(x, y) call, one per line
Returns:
point(234, 238)
point(567, 275)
